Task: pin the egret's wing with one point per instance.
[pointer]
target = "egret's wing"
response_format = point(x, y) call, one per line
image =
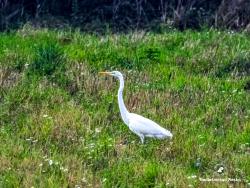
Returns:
point(146, 126)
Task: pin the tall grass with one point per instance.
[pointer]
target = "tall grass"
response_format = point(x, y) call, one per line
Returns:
point(60, 123)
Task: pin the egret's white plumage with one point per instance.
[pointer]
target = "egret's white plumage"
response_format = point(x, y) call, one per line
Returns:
point(141, 126)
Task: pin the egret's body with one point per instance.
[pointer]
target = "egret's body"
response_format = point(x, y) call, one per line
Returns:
point(141, 126)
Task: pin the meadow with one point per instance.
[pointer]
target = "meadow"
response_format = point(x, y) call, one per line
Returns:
point(60, 124)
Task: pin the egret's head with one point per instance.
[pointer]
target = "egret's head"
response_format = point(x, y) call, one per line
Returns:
point(113, 73)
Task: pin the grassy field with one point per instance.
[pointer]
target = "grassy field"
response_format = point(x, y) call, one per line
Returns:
point(60, 124)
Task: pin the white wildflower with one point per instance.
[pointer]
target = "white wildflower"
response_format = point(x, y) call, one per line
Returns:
point(91, 145)
point(97, 130)
point(65, 170)
point(84, 180)
point(50, 162)
point(192, 177)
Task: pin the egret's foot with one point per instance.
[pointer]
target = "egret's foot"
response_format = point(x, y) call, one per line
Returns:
point(142, 139)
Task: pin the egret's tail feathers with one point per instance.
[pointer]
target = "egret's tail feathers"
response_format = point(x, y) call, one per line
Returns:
point(168, 134)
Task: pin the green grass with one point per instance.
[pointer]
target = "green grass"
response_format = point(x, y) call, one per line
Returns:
point(60, 123)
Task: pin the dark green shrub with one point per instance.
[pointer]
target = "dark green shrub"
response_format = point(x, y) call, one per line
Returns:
point(49, 62)
point(48, 58)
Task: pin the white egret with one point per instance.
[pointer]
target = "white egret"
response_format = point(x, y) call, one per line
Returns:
point(141, 126)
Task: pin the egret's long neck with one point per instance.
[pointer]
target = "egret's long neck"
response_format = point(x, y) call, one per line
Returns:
point(122, 107)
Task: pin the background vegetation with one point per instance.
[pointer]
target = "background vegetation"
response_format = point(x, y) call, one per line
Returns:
point(60, 123)
point(120, 15)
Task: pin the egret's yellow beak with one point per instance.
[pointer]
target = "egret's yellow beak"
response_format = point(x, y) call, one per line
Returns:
point(106, 73)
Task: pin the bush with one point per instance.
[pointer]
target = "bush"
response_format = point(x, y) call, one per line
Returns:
point(48, 58)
